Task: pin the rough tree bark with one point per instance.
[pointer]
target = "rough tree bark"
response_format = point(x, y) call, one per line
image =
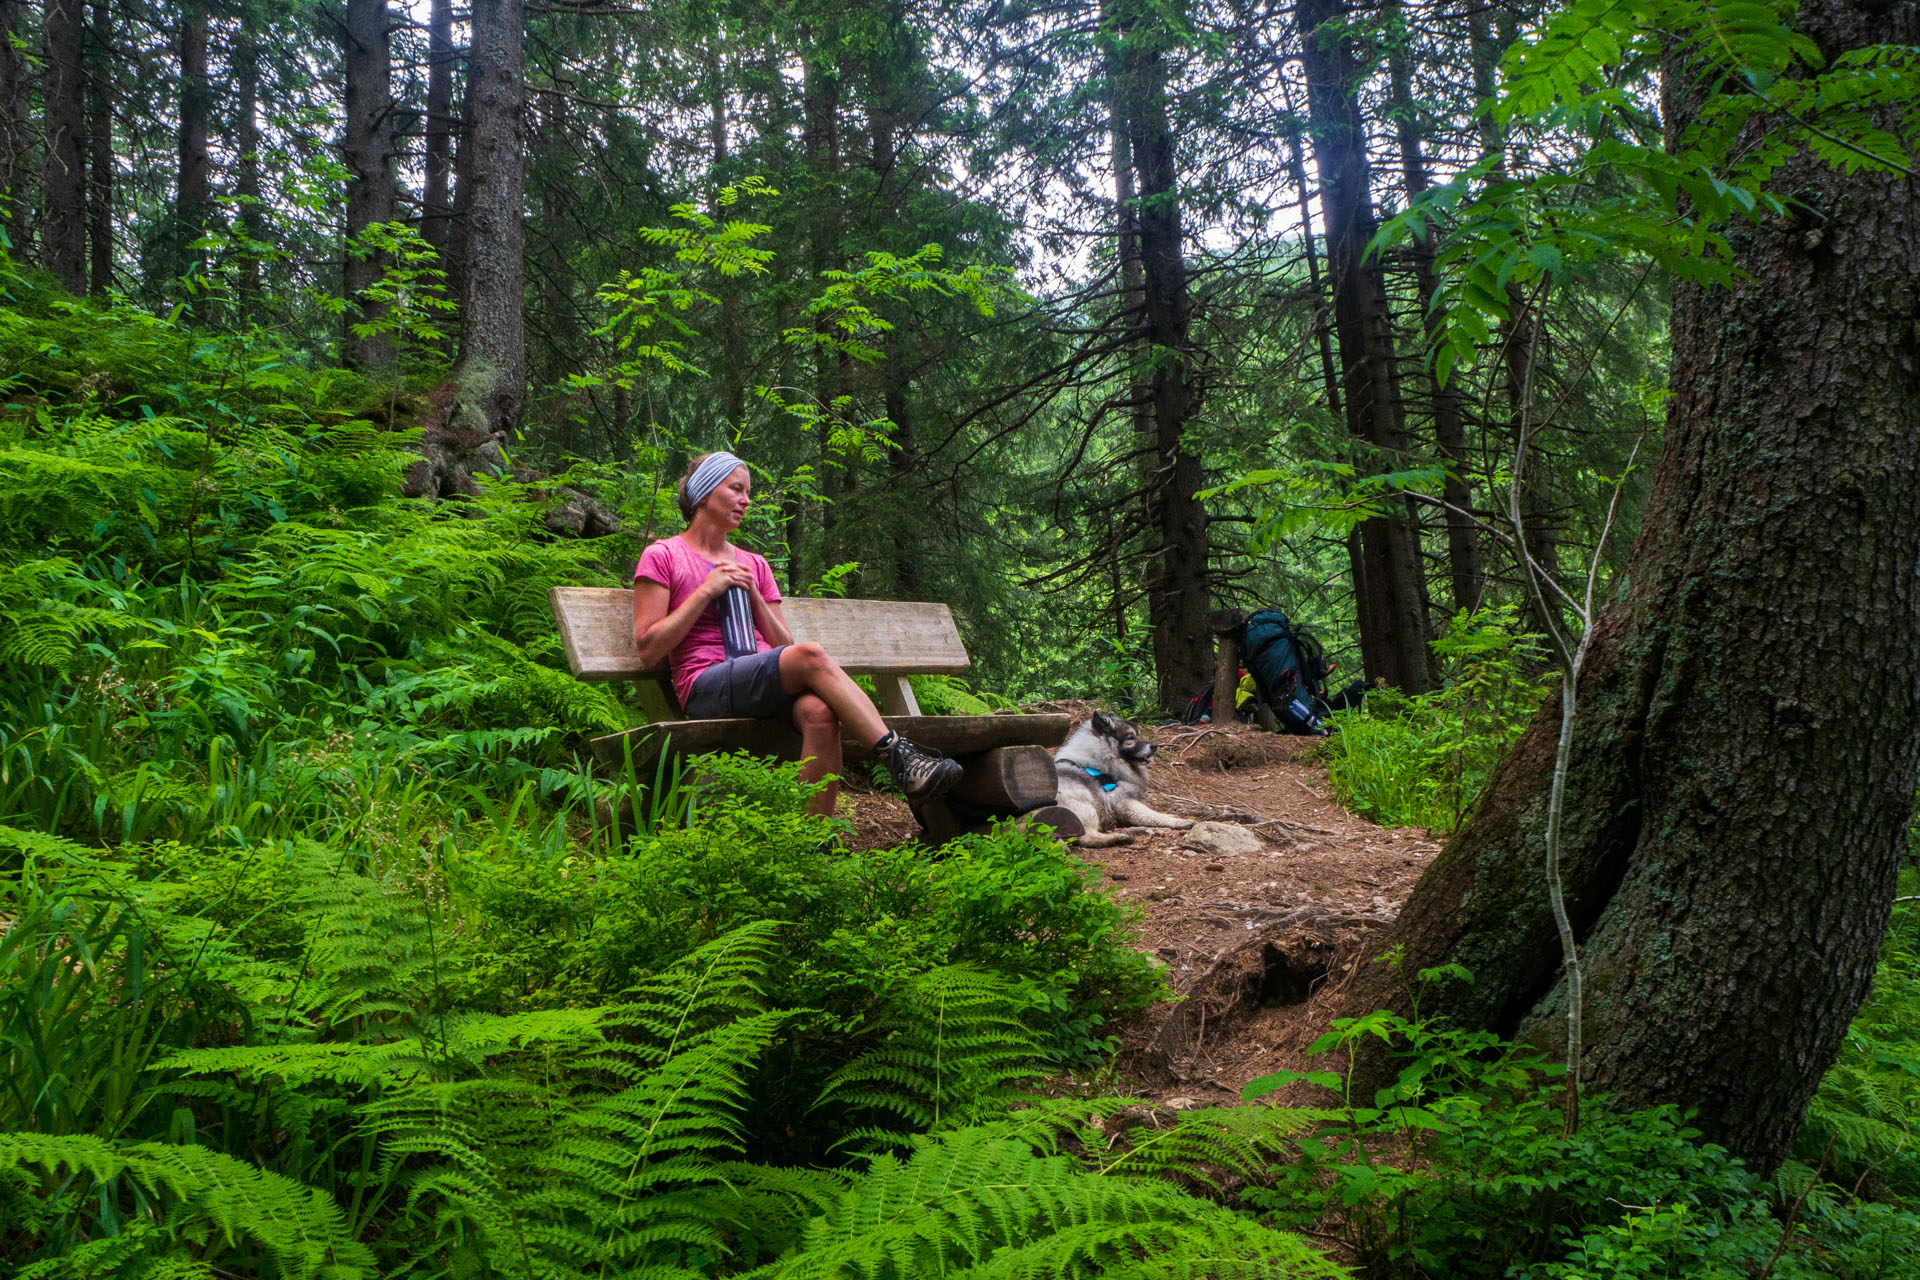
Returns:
point(100, 153)
point(1122, 522)
point(1177, 581)
point(1391, 596)
point(193, 198)
point(820, 93)
point(246, 181)
point(63, 181)
point(492, 369)
point(455, 257)
point(1749, 724)
point(733, 372)
point(1516, 339)
point(436, 208)
point(1323, 336)
point(892, 74)
point(370, 146)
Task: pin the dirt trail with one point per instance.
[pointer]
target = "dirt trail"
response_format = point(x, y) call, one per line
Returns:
point(1260, 944)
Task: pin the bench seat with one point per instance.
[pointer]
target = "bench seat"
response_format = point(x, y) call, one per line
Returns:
point(1007, 768)
point(949, 735)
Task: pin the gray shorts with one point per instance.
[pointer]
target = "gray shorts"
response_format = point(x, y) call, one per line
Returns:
point(748, 686)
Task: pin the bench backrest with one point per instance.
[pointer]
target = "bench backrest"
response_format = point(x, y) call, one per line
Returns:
point(874, 637)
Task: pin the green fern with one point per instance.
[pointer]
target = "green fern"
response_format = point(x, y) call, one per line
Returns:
point(568, 1142)
point(1866, 1113)
point(957, 1052)
point(978, 1202)
point(299, 1226)
point(1214, 1143)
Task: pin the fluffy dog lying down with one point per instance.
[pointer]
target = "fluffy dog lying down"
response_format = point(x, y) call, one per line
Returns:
point(1103, 779)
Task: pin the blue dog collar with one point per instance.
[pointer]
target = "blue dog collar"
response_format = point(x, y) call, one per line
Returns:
point(1106, 780)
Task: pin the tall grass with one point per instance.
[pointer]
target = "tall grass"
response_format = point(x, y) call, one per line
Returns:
point(1424, 761)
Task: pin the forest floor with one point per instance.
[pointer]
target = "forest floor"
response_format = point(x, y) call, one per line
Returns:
point(1260, 945)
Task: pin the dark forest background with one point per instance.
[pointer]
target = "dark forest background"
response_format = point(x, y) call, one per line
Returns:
point(987, 292)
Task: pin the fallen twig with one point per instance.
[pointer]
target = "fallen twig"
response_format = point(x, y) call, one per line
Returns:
point(1295, 826)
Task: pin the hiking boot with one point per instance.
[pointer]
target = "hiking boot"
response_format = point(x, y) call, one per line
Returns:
point(920, 773)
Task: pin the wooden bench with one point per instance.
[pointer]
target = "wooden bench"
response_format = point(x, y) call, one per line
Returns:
point(1008, 771)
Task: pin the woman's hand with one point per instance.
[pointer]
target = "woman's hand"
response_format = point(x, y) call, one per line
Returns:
point(723, 578)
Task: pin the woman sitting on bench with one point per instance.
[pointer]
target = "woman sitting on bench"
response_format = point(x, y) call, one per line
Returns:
point(711, 610)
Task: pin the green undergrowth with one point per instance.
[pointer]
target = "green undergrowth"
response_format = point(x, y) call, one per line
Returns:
point(1423, 761)
point(289, 1066)
point(322, 954)
point(1863, 1126)
point(1462, 1167)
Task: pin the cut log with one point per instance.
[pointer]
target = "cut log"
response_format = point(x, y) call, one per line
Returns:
point(1015, 779)
point(1065, 822)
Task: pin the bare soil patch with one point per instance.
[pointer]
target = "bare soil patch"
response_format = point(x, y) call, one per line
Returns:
point(1258, 945)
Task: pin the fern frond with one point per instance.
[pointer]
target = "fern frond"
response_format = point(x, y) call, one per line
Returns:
point(971, 1203)
point(956, 1052)
point(583, 1141)
point(1206, 1143)
point(298, 1225)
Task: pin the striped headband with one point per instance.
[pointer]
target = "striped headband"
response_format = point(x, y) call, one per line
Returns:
point(707, 476)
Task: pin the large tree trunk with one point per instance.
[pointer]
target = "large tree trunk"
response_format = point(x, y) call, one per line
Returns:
point(1449, 429)
point(888, 119)
point(63, 231)
point(1390, 593)
point(1177, 580)
point(369, 146)
point(193, 202)
point(462, 140)
point(733, 373)
point(492, 369)
point(100, 153)
point(1120, 538)
point(246, 184)
point(1323, 337)
point(909, 548)
point(1748, 728)
point(15, 134)
point(1517, 336)
point(820, 89)
point(436, 207)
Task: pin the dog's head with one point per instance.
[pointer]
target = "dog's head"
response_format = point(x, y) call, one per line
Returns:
point(1126, 740)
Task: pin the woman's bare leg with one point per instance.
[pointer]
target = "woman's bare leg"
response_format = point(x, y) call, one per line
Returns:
point(820, 749)
point(806, 668)
point(923, 775)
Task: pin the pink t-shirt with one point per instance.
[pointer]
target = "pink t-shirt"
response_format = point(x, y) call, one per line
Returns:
point(680, 569)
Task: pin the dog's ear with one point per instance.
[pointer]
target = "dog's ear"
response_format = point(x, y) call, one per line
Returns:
point(1109, 725)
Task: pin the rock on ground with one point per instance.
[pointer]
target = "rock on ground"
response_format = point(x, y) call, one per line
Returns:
point(1222, 838)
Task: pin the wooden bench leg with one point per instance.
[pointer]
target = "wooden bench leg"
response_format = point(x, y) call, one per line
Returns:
point(941, 820)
